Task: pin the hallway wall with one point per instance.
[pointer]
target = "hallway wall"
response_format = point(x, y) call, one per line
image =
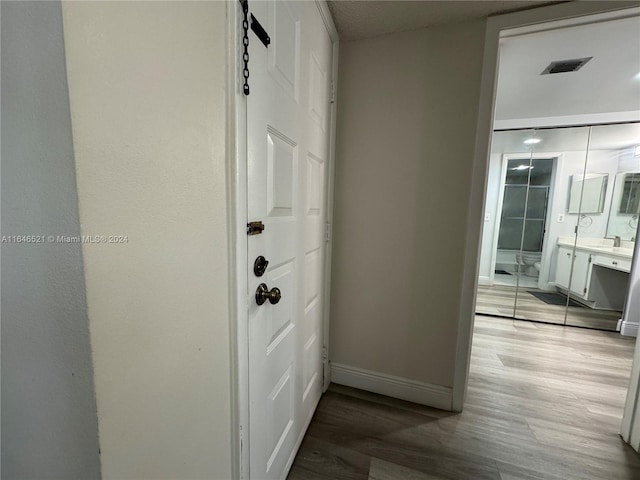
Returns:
point(49, 422)
point(407, 111)
point(147, 82)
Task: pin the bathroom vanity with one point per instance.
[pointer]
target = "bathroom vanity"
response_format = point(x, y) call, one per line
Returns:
point(600, 272)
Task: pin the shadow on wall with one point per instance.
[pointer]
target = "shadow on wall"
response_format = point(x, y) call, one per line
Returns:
point(49, 421)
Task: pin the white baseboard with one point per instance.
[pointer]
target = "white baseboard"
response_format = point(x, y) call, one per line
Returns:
point(485, 281)
point(629, 329)
point(398, 387)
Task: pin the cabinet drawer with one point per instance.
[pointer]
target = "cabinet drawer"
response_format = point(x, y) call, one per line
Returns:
point(612, 262)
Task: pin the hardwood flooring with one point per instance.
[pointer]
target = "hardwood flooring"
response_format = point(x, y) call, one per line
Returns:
point(500, 300)
point(544, 402)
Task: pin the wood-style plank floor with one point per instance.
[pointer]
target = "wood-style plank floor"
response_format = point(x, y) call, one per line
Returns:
point(544, 402)
point(500, 300)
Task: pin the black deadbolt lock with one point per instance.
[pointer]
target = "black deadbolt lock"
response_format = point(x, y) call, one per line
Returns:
point(260, 266)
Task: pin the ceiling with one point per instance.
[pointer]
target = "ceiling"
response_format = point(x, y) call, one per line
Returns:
point(357, 19)
point(609, 82)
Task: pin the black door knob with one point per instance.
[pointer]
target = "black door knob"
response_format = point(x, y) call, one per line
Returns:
point(263, 294)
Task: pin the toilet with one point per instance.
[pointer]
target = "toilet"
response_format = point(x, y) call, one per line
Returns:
point(531, 263)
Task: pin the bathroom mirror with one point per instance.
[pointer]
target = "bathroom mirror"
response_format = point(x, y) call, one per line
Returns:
point(620, 144)
point(591, 188)
point(625, 206)
point(630, 198)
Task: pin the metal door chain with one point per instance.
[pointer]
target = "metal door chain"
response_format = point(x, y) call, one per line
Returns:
point(245, 42)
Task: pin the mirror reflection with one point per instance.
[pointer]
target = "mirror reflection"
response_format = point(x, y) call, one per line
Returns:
point(630, 201)
point(587, 193)
point(561, 217)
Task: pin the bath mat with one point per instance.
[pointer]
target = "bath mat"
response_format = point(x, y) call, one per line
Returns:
point(502, 272)
point(554, 298)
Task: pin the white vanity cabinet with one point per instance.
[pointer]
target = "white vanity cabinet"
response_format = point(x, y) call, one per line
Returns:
point(600, 274)
point(563, 267)
point(581, 271)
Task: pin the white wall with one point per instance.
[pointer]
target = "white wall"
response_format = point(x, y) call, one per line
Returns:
point(147, 89)
point(406, 125)
point(49, 422)
point(630, 428)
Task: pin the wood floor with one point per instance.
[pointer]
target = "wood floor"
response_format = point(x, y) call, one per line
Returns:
point(500, 300)
point(544, 402)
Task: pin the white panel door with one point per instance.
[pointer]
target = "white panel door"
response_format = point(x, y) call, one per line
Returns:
point(288, 149)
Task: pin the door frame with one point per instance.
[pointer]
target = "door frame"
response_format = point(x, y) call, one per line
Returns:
point(237, 201)
point(563, 14)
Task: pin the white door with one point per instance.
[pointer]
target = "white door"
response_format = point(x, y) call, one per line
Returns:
point(288, 149)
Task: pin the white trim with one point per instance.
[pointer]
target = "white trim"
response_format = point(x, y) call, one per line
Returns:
point(477, 189)
point(568, 120)
point(572, 22)
point(475, 217)
point(333, 34)
point(630, 425)
point(397, 387)
point(629, 329)
point(487, 281)
point(238, 194)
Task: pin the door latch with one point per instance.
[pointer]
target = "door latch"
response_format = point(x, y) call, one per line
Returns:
point(255, 228)
point(260, 266)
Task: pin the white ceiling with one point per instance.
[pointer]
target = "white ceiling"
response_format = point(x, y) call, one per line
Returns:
point(369, 18)
point(609, 82)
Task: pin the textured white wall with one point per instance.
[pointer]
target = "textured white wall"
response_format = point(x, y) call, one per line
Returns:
point(147, 89)
point(49, 423)
point(406, 128)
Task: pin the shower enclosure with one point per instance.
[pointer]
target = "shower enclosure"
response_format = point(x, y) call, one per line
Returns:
point(561, 217)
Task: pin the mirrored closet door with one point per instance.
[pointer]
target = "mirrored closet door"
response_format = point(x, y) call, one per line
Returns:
point(561, 217)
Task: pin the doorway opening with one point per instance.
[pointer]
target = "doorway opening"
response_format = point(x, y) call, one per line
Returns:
point(498, 121)
point(559, 218)
point(566, 221)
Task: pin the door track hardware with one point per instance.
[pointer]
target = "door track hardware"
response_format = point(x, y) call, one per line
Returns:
point(260, 31)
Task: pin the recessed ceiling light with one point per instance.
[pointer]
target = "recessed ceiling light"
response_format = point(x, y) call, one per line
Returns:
point(532, 141)
point(636, 151)
point(637, 77)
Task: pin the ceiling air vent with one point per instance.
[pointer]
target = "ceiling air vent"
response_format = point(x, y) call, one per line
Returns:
point(563, 66)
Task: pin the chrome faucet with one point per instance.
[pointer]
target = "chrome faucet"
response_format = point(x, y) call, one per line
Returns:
point(616, 240)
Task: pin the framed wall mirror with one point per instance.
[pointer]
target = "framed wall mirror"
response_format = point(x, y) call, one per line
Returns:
point(587, 193)
point(630, 198)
